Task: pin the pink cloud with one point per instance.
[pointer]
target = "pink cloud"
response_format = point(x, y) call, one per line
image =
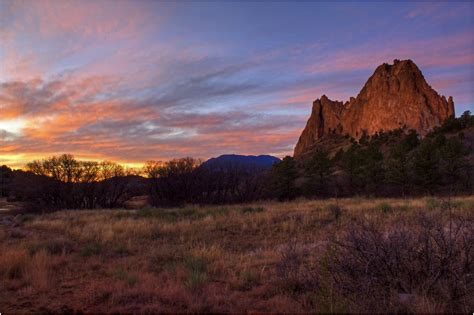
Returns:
point(439, 52)
point(424, 9)
point(66, 116)
point(97, 19)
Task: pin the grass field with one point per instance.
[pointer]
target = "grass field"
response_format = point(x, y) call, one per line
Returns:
point(253, 257)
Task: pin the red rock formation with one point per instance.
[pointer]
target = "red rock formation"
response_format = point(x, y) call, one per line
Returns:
point(394, 96)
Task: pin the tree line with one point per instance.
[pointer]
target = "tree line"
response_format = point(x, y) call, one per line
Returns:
point(63, 182)
point(395, 163)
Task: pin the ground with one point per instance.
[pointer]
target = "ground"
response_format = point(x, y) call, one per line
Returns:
point(219, 258)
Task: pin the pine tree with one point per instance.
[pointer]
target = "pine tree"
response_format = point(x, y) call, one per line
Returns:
point(397, 171)
point(317, 173)
point(284, 175)
point(453, 165)
point(425, 165)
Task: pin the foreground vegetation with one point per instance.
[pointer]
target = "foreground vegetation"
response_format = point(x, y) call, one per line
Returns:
point(322, 256)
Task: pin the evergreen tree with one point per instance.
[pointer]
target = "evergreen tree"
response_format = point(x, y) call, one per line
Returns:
point(397, 171)
point(371, 172)
point(453, 166)
point(350, 163)
point(317, 173)
point(425, 164)
point(284, 175)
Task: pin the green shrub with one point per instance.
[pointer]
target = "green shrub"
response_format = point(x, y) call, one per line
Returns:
point(25, 218)
point(248, 279)
point(198, 264)
point(122, 214)
point(195, 280)
point(164, 257)
point(121, 250)
point(170, 215)
point(403, 208)
point(335, 210)
point(252, 209)
point(123, 275)
point(145, 212)
point(432, 204)
point(384, 207)
point(190, 213)
point(53, 247)
point(13, 265)
point(219, 212)
point(451, 204)
point(196, 272)
point(91, 249)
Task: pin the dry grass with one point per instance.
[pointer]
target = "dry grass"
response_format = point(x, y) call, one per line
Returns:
point(19, 269)
point(13, 263)
point(39, 271)
point(252, 257)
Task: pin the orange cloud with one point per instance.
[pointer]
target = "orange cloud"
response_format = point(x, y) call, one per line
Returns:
point(69, 115)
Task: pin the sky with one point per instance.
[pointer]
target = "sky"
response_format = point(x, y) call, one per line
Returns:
point(131, 81)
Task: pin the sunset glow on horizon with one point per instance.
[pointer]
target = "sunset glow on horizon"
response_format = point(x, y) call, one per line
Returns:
point(132, 81)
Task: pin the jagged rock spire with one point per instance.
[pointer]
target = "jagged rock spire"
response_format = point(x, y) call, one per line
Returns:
point(394, 96)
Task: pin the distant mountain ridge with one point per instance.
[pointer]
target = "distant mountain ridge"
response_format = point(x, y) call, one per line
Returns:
point(234, 160)
point(394, 96)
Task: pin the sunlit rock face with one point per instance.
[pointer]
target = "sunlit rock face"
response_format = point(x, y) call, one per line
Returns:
point(394, 96)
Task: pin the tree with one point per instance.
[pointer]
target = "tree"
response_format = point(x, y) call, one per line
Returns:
point(350, 163)
point(72, 184)
point(453, 167)
point(317, 173)
point(284, 175)
point(372, 173)
point(425, 164)
point(173, 182)
point(396, 166)
point(6, 175)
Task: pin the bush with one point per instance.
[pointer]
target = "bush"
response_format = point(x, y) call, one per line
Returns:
point(252, 209)
point(129, 279)
point(52, 247)
point(384, 207)
point(292, 269)
point(335, 210)
point(169, 215)
point(440, 204)
point(91, 249)
point(429, 259)
point(196, 273)
point(145, 212)
point(219, 212)
point(121, 250)
point(13, 263)
point(190, 213)
point(432, 203)
point(165, 257)
point(248, 279)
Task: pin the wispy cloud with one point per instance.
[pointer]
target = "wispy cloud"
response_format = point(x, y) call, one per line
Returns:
point(140, 80)
point(449, 51)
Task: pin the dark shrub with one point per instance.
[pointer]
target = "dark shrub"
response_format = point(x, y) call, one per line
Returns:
point(429, 259)
point(292, 268)
point(91, 249)
point(335, 210)
point(252, 209)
